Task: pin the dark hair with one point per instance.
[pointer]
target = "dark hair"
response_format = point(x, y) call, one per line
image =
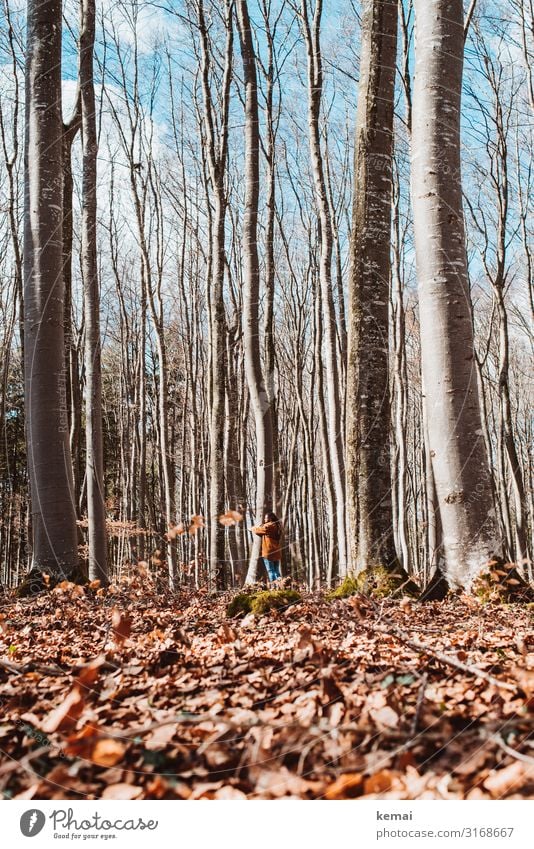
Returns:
point(271, 517)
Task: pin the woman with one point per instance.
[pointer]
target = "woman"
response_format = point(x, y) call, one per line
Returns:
point(271, 534)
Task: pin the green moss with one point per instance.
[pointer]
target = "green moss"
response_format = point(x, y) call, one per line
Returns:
point(381, 583)
point(241, 603)
point(261, 601)
point(348, 587)
point(377, 582)
point(273, 600)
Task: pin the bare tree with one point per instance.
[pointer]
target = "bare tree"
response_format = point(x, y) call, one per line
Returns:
point(311, 25)
point(260, 404)
point(459, 458)
point(96, 513)
point(49, 462)
point(216, 139)
point(368, 462)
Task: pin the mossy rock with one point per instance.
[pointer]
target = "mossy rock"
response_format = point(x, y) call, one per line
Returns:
point(273, 600)
point(377, 582)
point(261, 601)
point(501, 583)
point(240, 604)
point(349, 586)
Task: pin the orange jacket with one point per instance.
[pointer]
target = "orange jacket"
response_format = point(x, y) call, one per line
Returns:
point(271, 533)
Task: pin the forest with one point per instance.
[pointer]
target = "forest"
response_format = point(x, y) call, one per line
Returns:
point(266, 392)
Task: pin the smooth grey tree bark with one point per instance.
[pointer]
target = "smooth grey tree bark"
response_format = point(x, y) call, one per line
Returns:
point(311, 30)
point(216, 134)
point(368, 461)
point(459, 458)
point(259, 397)
point(47, 432)
point(96, 510)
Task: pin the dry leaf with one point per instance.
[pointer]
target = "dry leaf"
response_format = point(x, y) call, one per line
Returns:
point(500, 782)
point(385, 717)
point(231, 517)
point(122, 791)
point(196, 522)
point(121, 625)
point(65, 717)
point(107, 752)
point(347, 786)
point(378, 783)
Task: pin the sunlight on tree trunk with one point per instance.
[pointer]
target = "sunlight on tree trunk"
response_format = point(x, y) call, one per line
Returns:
point(459, 459)
point(49, 462)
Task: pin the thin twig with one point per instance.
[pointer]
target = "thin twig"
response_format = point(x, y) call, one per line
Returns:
point(419, 705)
point(391, 630)
point(519, 756)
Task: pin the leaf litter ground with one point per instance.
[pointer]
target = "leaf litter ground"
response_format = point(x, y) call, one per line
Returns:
point(131, 694)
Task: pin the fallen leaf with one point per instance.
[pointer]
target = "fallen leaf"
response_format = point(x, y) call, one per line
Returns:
point(347, 786)
point(107, 752)
point(501, 781)
point(67, 714)
point(385, 717)
point(378, 783)
point(122, 626)
point(122, 791)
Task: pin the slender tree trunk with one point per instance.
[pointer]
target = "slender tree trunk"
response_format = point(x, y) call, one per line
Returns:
point(368, 464)
point(459, 459)
point(269, 347)
point(217, 154)
point(72, 370)
point(400, 381)
point(49, 461)
point(259, 398)
point(334, 420)
point(96, 511)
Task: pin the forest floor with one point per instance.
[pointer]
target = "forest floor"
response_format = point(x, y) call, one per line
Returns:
point(129, 694)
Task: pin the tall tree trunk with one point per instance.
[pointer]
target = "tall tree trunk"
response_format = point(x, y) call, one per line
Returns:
point(217, 154)
point(270, 214)
point(334, 420)
point(459, 459)
point(259, 398)
point(96, 511)
point(49, 462)
point(368, 464)
point(73, 380)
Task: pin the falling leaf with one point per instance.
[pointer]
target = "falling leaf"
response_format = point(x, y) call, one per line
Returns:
point(196, 522)
point(175, 531)
point(231, 517)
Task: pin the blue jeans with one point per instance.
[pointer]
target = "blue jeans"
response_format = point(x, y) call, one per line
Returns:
point(273, 568)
